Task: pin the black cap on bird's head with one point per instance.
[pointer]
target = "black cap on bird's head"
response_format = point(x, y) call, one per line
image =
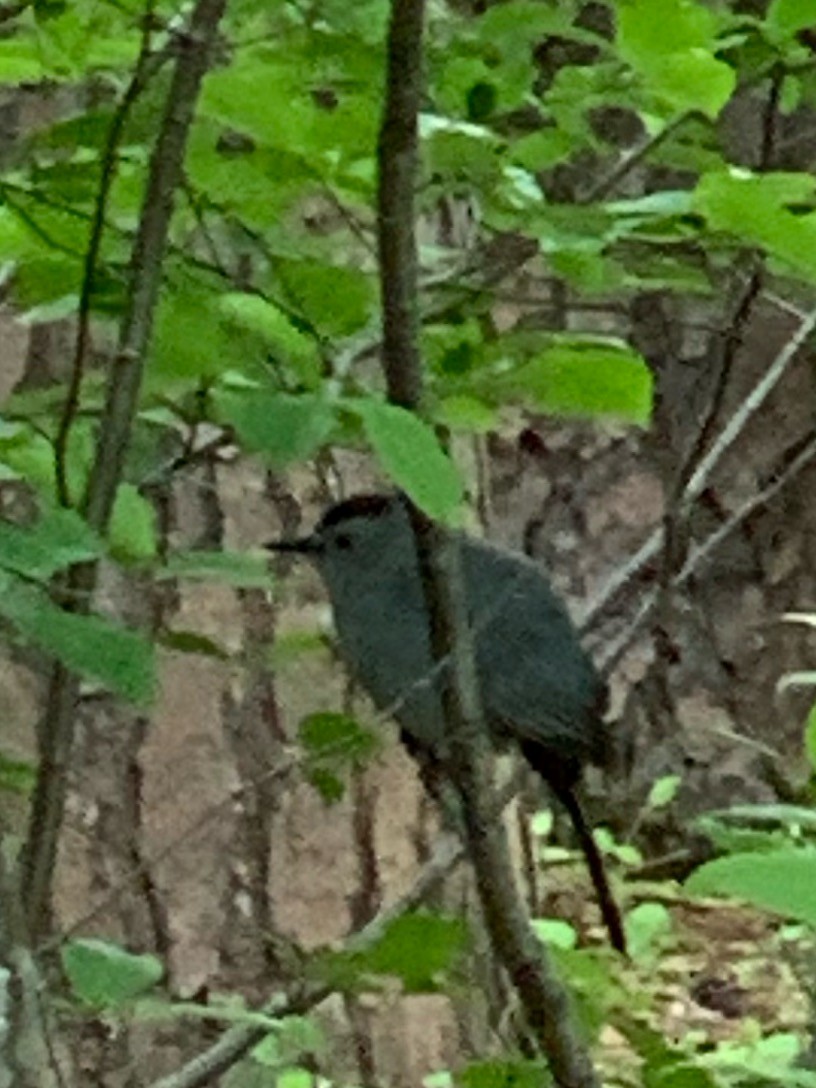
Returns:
point(369, 506)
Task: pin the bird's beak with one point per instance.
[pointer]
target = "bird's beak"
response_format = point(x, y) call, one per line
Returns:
point(307, 545)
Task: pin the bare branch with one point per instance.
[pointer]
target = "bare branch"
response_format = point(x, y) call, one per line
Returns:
point(56, 734)
point(650, 549)
point(235, 1043)
point(542, 996)
point(791, 468)
point(147, 65)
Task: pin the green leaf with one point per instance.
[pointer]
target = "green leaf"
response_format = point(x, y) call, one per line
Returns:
point(542, 150)
point(668, 203)
point(59, 539)
point(20, 62)
point(31, 455)
point(810, 738)
point(500, 1073)
point(190, 338)
point(120, 659)
point(190, 642)
point(774, 815)
point(295, 1077)
point(275, 327)
point(294, 1037)
point(645, 925)
point(17, 775)
point(785, 18)
point(671, 45)
point(334, 743)
point(587, 378)
point(410, 453)
point(337, 301)
point(132, 531)
point(663, 791)
point(774, 1061)
point(105, 976)
point(418, 948)
point(263, 93)
point(756, 209)
point(459, 149)
point(555, 932)
point(332, 735)
point(739, 840)
point(782, 881)
point(241, 570)
point(466, 414)
point(693, 80)
point(623, 851)
point(283, 428)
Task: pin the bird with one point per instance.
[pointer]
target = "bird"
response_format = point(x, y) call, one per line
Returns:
point(538, 686)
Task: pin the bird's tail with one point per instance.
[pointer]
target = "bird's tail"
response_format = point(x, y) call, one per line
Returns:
point(560, 784)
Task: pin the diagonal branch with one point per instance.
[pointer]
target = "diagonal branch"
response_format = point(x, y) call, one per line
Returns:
point(650, 549)
point(237, 1041)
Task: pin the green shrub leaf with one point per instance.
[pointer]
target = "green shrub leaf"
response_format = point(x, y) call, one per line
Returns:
point(410, 453)
point(782, 881)
point(105, 976)
point(121, 659)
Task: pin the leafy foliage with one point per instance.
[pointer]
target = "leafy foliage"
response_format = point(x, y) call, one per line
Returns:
point(419, 948)
point(783, 881)
point(582, 146)
point(334, 744)
point(117, 657)
point(105, 976)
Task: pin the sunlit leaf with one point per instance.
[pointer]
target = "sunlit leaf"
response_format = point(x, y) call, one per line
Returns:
point(410, 453)
point(586, 378)
point(132, 530)
point(418, 948)
point(663, 791)
point(276, 328)
point(282, 427)
point(105, 976)
point(645, 925)
point(782, 881)
point(58, 539)
point(121, 659)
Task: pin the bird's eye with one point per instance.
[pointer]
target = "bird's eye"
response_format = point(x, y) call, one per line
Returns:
point(343, 542)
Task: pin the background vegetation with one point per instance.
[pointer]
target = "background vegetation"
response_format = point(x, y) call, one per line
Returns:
point(615, 210)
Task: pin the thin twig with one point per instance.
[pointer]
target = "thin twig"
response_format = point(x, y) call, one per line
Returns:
point(650, 548)
point(147, 65)
point(614, 651)
point(235, 1043)
point(56, 735)
point(628, 163)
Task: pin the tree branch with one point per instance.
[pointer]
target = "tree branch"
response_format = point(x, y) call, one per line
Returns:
point(542, 997)
point(650, 549)
point(237, 1041)
point(793, 463)
point(56, 733)
point(147, 65)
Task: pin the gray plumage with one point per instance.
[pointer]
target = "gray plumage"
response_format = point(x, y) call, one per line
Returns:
point(537, 683)
point(538, 687)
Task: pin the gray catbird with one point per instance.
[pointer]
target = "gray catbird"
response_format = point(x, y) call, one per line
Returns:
point(538, 687)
